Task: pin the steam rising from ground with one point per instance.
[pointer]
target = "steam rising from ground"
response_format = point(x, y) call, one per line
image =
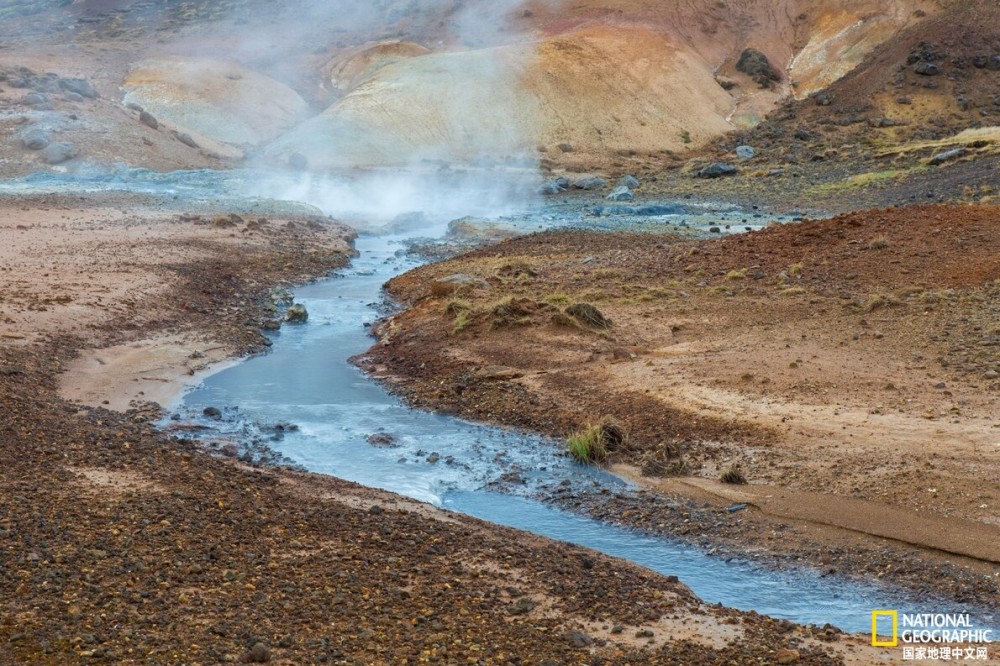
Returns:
point(405, 200)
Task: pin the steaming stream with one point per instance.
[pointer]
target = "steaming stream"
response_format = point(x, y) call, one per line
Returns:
point(306, 380)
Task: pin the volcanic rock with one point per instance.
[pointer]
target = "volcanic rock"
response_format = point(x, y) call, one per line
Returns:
point(57, 153)
point(35, 139)
point(717, 170)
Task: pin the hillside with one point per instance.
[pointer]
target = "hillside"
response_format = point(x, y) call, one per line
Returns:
point(581, 85)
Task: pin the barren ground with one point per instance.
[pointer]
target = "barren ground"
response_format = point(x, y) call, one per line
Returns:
point(848, 367)
point(119, 544)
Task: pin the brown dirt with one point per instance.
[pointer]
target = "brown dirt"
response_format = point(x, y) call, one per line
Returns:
point(119, 544)
point(852, 357)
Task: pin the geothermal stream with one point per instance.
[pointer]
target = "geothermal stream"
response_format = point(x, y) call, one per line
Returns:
point(306, 380)
point(327, 410)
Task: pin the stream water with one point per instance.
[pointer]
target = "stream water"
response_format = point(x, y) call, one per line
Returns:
point(307, 402)
point(306, 380)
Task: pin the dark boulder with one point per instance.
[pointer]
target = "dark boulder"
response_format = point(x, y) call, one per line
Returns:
point(756, 65)
point(946, 156)
point(621, 193)
point(81, 87)
point(717, 170)
point(554, 186)
point(186, 139)
point(592, 183)
point(629, 181)
point(57, 153)
point(148, 119)
point(35, 99)
point(296, 314)
point(35, 139)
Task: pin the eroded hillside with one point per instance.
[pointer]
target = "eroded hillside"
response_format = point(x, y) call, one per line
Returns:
point(572, 84)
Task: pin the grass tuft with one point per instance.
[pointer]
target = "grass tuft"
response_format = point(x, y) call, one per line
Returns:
point(593, 444)
point(587, 446)
point(734, 475)
point(589, 315)
point(461, 323)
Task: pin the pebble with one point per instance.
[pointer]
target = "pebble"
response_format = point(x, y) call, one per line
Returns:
point(259, 654)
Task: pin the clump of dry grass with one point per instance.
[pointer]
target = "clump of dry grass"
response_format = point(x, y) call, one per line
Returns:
point(879, 301)
point(734, 475)
point(589, 315)
point(593, 444)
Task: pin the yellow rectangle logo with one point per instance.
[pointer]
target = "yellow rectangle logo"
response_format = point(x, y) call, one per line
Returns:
point(894, 616)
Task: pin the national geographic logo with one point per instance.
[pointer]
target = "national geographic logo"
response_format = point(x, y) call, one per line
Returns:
point(931, 636)
point(887, 616)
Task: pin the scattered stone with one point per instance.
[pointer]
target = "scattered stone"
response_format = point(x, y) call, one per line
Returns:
point(745, 152)
point(296, 314)
point(148, 119)
point(717, 170)
point(554, 186)
point(578, 639)
point(566, 147)
point(35, 139)
point(522, 606)
point(621, 193)
point(433, 458)
point(823, 99)
point(991, 374)
point(35, 99)
point(213, 413)
point(186, 139)
point(281, 296)
point(629, 181)
point(230, 450)
point(382, 439)
point(714, 230)
point(57, 153)
point(80, 87)
point(787, 656)
point(375, 510)
point(924, 68)
point(259, 654)
point(592, 183)
point(946, 156)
